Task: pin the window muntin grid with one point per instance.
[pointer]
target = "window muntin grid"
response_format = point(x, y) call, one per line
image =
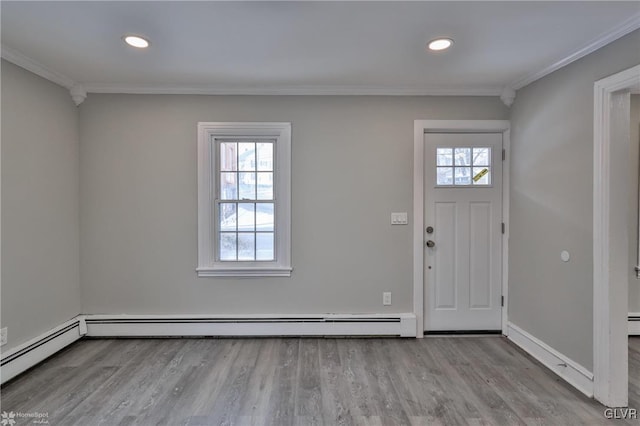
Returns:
point(463, 166)
point(245, 204)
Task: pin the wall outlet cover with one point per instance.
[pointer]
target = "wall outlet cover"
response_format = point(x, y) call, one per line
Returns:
point(386, 298)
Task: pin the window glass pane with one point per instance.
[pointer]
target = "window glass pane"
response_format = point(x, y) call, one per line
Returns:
point(247, 184)
point(246, 246)
point(246, 216)
point(247, 156)
point(463, 176)
point(228, 156)
point(228, 186)
point(264, 217)
point(444, 157)
point(264, 246)
point(227, 246)
point(265, 186)
point(462, 156)
point(445, 176)
point(227, 216)
point(265, 156)
point(481, 156)
point(481, 176)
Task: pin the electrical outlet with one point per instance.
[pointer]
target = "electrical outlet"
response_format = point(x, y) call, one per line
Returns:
point(386, 298)
point(3, 336)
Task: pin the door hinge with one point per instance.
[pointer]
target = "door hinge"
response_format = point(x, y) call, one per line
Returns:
point(504, 154)
point(503, 227)
point(502, 301)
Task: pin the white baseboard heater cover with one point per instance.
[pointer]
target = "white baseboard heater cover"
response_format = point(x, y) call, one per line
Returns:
point(25, 356)
point(130, 326)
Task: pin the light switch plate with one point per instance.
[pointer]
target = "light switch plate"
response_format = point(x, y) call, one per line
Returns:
point(399, 218)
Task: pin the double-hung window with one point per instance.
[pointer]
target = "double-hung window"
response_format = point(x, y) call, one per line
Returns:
point(244, 206)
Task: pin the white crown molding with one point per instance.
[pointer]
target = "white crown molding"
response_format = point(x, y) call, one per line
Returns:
point(23, 61)
point(77, 91)
point(629, 25)
point(295, 90)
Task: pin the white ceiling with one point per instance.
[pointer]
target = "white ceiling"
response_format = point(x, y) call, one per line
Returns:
point(314, 47)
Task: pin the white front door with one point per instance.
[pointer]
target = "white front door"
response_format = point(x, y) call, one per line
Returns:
point(463, 231)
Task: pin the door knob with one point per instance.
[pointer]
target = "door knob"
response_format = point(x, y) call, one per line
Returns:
point(431, 244)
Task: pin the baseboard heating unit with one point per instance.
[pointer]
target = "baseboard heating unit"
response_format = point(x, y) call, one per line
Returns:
point(326, 325)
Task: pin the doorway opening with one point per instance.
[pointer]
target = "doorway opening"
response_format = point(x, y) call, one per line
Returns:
point(610, 236)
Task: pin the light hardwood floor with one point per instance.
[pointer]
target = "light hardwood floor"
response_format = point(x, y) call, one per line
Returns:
point(431, 381)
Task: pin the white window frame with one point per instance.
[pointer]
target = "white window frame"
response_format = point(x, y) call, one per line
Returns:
point(208, 132)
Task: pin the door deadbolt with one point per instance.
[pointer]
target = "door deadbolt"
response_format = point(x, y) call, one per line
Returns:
point(429, 229)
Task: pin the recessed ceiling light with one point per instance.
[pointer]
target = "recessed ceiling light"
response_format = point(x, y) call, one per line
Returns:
point(136, 41)
point(440, 44)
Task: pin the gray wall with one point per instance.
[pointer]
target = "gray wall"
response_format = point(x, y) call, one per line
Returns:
point(551, 201)
point(40, 218)
point(634, 157)
point(352, 167)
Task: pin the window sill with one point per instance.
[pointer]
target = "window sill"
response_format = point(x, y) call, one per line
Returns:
point(244, 272)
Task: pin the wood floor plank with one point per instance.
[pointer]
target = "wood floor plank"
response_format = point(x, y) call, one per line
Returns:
point(308, 404)
point(256, 399)
point(304, 381)
point(227, 406)
point(355, 379)
point(335, 397)
point(392, 411)
point(282, 401)
point(213, 372)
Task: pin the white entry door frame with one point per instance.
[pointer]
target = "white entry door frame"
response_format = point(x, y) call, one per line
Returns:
point(610, 245)
point(421, 127)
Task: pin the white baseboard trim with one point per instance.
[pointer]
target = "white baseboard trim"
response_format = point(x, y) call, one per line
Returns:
point(28, 354)
point(403, 325)
point(634, 323)
point(575, 374)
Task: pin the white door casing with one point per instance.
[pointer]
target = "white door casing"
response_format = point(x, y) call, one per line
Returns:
point(421, 127)
point(463, 269)
point(610, 244)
